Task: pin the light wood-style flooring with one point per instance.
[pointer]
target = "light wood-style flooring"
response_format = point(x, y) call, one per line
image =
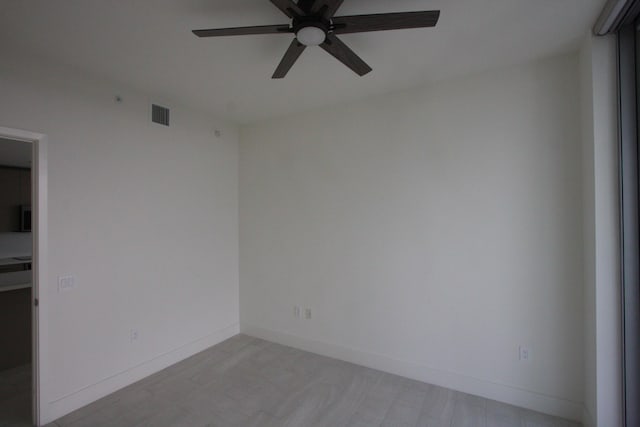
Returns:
point(246, 382)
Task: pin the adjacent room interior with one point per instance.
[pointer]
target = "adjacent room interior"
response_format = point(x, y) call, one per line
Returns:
point(15, 281)
point(316, 212)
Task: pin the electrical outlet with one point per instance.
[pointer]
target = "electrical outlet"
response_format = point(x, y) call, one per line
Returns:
point(66, 283)
point(133, 335)
point(307, 313)
point(296, 311)
point(524, 354)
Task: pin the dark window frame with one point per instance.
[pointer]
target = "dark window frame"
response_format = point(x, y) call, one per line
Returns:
point(629, 121)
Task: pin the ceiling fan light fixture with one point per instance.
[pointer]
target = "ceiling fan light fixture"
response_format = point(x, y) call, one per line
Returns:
point(311, 35)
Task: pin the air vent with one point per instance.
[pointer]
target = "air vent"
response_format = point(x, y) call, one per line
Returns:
point(160, 114)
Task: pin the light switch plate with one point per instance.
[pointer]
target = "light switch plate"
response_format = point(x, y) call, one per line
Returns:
point(66, 283)
point(525, 354)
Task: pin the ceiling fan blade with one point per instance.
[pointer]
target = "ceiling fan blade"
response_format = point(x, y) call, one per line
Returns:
point(290, 57)
point(328, 8)
point(385, 21)
point(240, 31)
point(289, 8)
point(344, 54)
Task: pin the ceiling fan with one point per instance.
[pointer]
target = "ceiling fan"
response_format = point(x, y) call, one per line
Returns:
point(314, 24)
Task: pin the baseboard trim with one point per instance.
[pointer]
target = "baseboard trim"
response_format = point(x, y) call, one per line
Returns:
point(501, 392)
point(63, 405)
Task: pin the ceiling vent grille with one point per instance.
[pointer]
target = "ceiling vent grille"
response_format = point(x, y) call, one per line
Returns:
point(159, 114)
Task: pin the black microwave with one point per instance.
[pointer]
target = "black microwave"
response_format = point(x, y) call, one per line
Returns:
point(25, 218)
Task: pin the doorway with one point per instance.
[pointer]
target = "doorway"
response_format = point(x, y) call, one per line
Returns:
point(22, 258)
point(15, 282)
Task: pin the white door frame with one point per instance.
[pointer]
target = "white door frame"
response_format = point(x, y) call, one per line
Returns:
point(39, 261)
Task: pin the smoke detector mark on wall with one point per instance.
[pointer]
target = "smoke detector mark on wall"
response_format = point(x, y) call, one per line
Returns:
point(160, 114)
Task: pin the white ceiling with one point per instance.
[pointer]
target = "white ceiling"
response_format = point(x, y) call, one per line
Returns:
point(15, 153)
point(147, 44)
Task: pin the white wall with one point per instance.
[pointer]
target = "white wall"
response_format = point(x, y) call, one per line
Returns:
point(431, 233)
point(588, 215)
point(146, 219)
point(603, 359)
